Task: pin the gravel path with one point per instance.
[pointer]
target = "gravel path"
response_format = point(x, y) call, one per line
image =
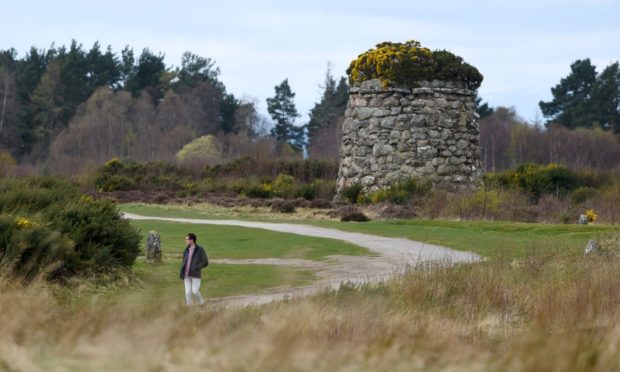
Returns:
point(394, 255)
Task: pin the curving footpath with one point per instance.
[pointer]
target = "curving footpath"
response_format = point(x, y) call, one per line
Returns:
point(393, 257)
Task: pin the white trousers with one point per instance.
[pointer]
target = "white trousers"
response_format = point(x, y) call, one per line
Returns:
point(192, 288)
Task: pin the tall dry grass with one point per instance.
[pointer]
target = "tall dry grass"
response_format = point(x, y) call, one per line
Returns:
point(555, 311)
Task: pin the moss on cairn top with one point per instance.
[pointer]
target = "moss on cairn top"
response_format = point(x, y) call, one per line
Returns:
point(408, 63)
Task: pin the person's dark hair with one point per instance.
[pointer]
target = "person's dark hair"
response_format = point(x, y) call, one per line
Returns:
point(192, 236)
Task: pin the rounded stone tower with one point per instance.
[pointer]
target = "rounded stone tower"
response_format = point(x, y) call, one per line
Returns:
point(412, 127)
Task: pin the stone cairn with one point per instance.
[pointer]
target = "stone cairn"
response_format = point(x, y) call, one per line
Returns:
point(429, 132)
point(153, 247)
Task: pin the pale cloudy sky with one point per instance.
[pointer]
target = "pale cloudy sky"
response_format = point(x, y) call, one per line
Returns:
point(522, 48)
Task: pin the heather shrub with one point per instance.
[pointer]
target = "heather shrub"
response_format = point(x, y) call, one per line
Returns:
point(283, 206)
point(354, 217)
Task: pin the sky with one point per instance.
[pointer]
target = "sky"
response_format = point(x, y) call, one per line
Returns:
point(523, 48)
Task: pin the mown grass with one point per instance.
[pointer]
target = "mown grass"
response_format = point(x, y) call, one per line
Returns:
point(244, 243)
point(487, 238)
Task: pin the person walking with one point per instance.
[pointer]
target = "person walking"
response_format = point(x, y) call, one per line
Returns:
point(194, 260)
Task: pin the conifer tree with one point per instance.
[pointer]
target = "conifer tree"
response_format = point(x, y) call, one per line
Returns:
point(282, 109)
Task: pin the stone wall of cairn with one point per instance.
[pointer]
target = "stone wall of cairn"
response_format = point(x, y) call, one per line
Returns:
point(430, 132)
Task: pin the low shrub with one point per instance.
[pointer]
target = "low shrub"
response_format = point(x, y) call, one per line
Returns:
point(352, 193)
point(117, 175)
point(284, 186)
point(536, 180)
point(354, 217)
point(306, 191)
point(581, 194)
point(320, 204)
point(398, 212)
point(304, 171)
point(401, 192)
point(480, 204)
point(283, 206)
point(257, 190)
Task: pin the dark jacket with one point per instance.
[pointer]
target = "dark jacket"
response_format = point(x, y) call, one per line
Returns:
point(199, 261)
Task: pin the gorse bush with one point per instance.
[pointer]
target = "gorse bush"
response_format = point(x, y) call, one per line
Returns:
point(537, 180)
point(401, 192)
point(285, 179)
point(480, 204)
point(117, 175)
point(302, 170)
point(284, 185)
point(28, 247)
point(409, 63)
point(582, 194)
point(47, 225)
point(352, 193)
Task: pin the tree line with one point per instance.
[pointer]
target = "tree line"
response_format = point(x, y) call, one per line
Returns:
point(71, 107)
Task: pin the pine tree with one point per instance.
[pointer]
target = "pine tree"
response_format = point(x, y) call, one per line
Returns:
point(606, 98)
point(585, 99)
point(571, 104)
point(146, 75)
point(282, 109)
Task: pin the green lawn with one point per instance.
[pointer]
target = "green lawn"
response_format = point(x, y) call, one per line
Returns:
point(487, 238)
point(242, 243)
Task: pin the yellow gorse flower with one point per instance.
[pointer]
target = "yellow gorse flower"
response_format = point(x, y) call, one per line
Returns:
point(408, 63)
point(591, 215)
point(22, 222)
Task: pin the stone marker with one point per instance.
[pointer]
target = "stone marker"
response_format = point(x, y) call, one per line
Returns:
point(153, 247)
point(591, 247)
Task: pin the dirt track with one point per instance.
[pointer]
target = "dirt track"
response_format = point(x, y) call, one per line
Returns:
point(394, 256)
